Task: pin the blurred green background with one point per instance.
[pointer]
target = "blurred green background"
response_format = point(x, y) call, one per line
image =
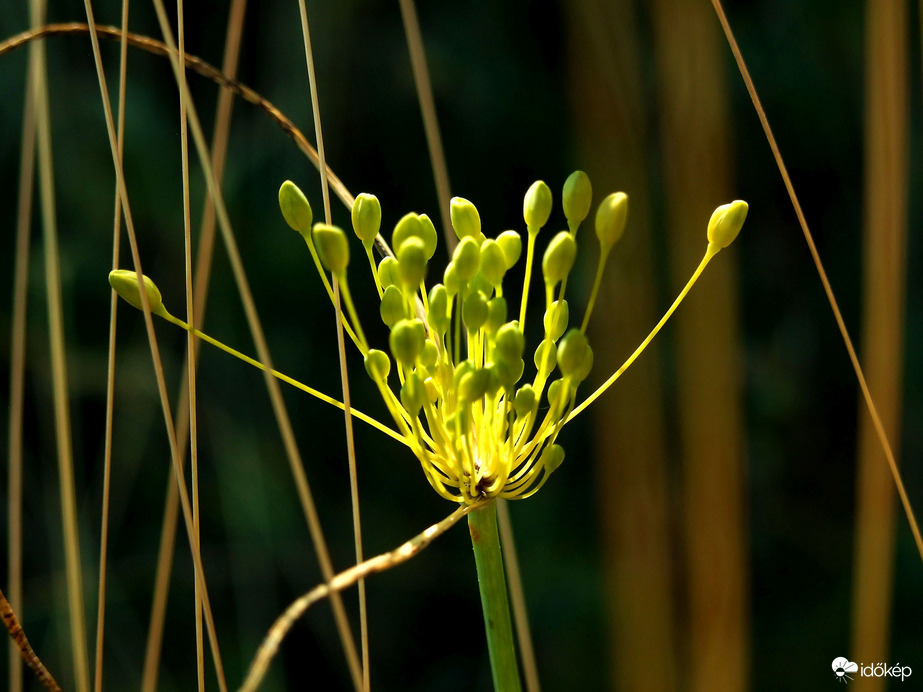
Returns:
point(680, 546)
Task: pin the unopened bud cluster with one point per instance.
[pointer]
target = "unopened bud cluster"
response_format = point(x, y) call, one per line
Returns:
point(453, 374)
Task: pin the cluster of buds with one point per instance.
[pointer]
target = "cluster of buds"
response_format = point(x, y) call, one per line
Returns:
point(458, 396)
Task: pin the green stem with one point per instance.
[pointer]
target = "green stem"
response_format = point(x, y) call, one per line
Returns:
point(482, 523)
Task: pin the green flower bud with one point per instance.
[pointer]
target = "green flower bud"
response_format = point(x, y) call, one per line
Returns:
point(556, 318)
point(496, 314)
point(393, 308)
point(467, 259)
point(559, 257)
point(546, 356)
point(493, 262)
point(429, 237)
point(473, 384)
point(295, 208)
point(577, 197)
point(431, 392)
point(509, 343)
point(536, 207)
point(726, 222)
point(407, 339)
point(377, 365)
point(408, 227)
point(125, 283)
point(465, 218)
point(388, 272)
point(552, 457)
point(413, 394)
point(332, 247)
point(366, 218)
point(610, 219)
point(411, 259)
point(474, 311)
point(438, 313)
point(573, 353)
point(558, 394)
point(511, 244)
point(524, 401)
point(451, 279)
point(430, 355)
point(505, 374)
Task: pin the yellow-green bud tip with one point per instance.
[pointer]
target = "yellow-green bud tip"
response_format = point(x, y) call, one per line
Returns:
point(726, 222)
point(577, 197)
point(332, 247)
point(465, 218)
point(536, 206)
point(295, 207)
point(611, 218)
point(366, 217)
point(125, 283)
point(559, 257)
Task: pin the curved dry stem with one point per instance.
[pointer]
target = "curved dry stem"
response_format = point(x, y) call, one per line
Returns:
point(206, 70)
point(341, 581)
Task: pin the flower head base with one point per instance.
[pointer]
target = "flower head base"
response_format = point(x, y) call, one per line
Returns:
point(457, 393)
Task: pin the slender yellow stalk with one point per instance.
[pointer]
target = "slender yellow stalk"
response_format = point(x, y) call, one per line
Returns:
point(59, 366)
point(110, 377)
point(430, 120)
point(884, 255)
point(361, 681)
point(18, 370)
point(190, 340)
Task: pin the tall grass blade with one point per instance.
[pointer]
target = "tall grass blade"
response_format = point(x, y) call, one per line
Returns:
point(887, 148)
point(610, 116)
point(695, 134)
point(110, 376)
point(361, 681)
point(53, 290)
point(18, 370)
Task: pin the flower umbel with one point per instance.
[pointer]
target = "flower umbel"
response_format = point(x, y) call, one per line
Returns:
point(456, 393)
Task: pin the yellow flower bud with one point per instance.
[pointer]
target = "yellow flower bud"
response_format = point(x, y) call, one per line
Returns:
point(493, 262)
point(525, 400)
point(509, 343)
point(438, 313)
point(726, 222)
point(393, 308)
point(556, 319)
point(408, 227)
point(610, 219)
point(125, 283)
point(559, 257)
point(411, 259)
point(295, 207)
point(467, 259)
point(577, 197)
point(407, 339)
point(377, 365)
point(474, 311)
point(366, 217)
point(552, 457)
point(465, 218)
point(536, 206)
point(496, 314)
point(332, 247)
point(573, 354)
point(388, 272)
point(511, 244)
point(429, 236)
point(413, 394)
